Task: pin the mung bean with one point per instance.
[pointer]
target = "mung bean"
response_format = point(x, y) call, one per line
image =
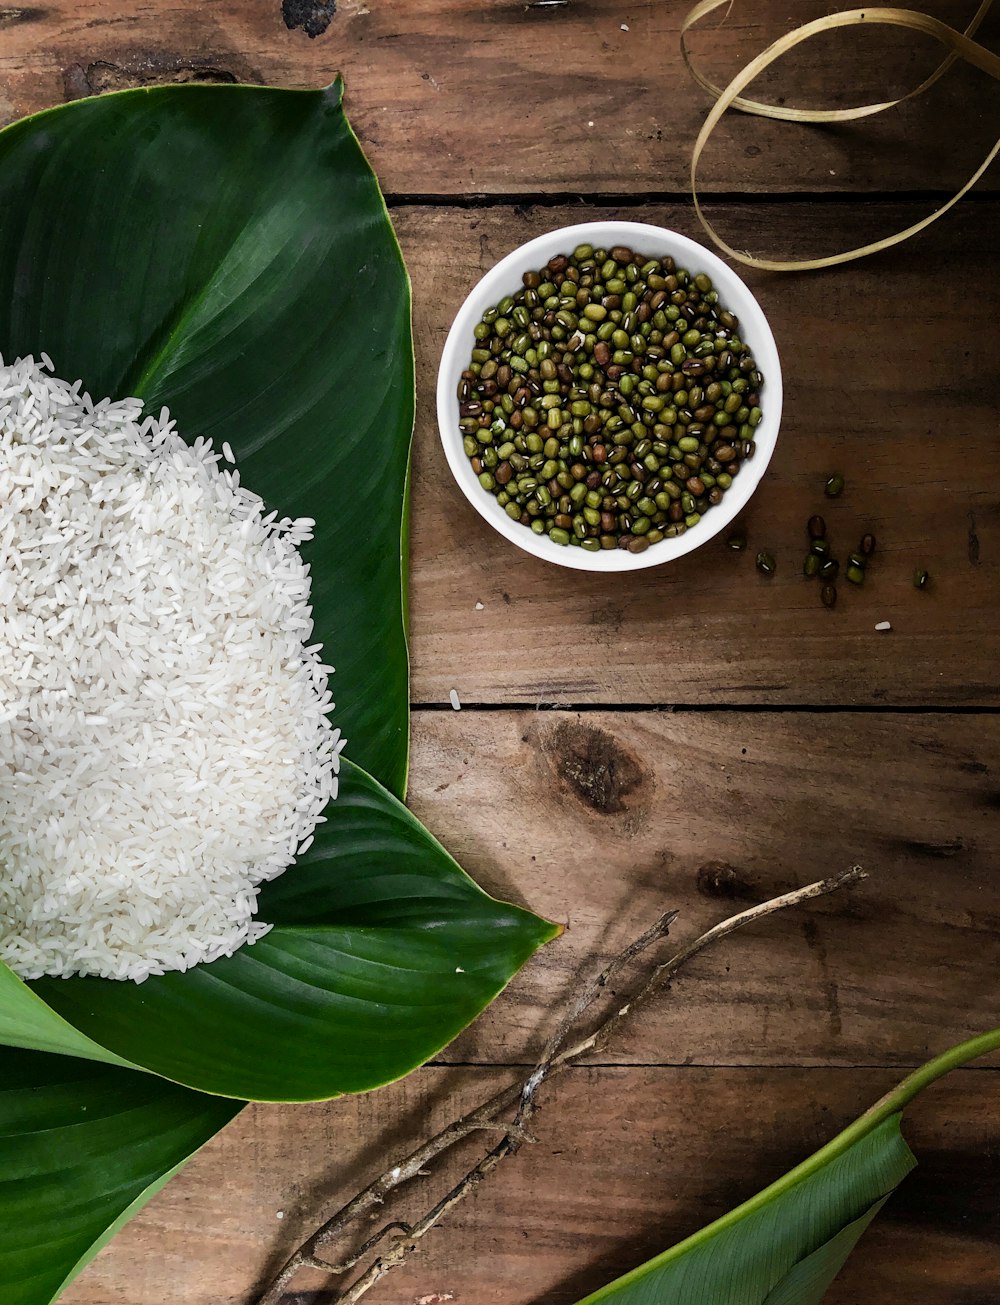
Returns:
point(603, 400)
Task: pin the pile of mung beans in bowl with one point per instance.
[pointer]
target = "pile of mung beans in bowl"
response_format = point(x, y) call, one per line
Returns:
point(609, 396)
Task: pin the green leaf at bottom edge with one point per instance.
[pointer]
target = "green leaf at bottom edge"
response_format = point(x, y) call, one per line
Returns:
point(786, 1244)
point(82, 1147)
point(746, 1257)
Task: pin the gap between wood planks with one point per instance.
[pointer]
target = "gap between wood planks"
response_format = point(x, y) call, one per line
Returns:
point(774, 709)
point(637, 198)
point(900, 1066)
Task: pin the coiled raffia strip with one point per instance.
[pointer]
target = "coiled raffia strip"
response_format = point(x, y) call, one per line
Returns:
point(959, 44)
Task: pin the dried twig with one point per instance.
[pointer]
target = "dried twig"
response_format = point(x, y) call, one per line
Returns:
point(555, 1058)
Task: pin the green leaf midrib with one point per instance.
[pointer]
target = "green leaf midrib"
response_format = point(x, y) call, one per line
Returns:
point(138, 377)
point(136, 386)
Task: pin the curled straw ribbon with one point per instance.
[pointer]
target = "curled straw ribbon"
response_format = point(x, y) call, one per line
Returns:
point(959, 44)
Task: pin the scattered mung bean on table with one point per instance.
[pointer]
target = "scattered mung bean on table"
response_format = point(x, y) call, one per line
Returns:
point(610, 402)
point(819, 562)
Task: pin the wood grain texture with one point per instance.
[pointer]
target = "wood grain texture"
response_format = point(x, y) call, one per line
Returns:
point(510, 96)
point(627, 1162)
point(602, 820)
point(891, 373)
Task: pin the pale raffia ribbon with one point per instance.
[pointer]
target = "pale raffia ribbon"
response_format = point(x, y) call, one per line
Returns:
point(959, 44)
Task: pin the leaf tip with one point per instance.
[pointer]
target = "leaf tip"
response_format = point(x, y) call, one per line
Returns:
point(333, 94)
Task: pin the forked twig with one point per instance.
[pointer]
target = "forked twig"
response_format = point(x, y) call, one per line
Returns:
point(520, 1097)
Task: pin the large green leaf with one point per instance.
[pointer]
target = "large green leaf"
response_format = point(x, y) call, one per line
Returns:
point(82, 1147)
point(226, 251)
point(786, 1245)
point(383, 949)
point(229, 255)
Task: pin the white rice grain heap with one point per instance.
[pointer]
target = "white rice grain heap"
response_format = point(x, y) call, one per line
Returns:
point(164, 739)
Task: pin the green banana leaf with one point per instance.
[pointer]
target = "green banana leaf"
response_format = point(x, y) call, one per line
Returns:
point(83, 1146)
point(225, 251)
point(786, 1245)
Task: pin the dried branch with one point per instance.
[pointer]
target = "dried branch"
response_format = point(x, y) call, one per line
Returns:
point(555, 1058)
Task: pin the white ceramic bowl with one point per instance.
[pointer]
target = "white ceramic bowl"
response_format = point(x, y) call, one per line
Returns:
point(505, 279)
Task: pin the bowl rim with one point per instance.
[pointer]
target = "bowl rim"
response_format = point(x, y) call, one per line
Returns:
point(505, 278)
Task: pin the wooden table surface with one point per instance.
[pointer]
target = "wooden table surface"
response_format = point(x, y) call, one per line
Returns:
point(619, 735)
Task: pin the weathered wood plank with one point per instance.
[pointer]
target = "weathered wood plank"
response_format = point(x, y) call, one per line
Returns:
point(627, 1162)
point(457, 96)
point(603, 820)
point(891, 376)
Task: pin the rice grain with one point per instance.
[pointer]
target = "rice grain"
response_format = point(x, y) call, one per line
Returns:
point(165, 742)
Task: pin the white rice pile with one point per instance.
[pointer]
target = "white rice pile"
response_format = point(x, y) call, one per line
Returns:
point(164, 738)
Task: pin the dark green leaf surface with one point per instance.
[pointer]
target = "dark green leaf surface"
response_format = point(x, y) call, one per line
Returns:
point(82, 1147)
point(383, 950)
point(782, 1247)
point(225, 251)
